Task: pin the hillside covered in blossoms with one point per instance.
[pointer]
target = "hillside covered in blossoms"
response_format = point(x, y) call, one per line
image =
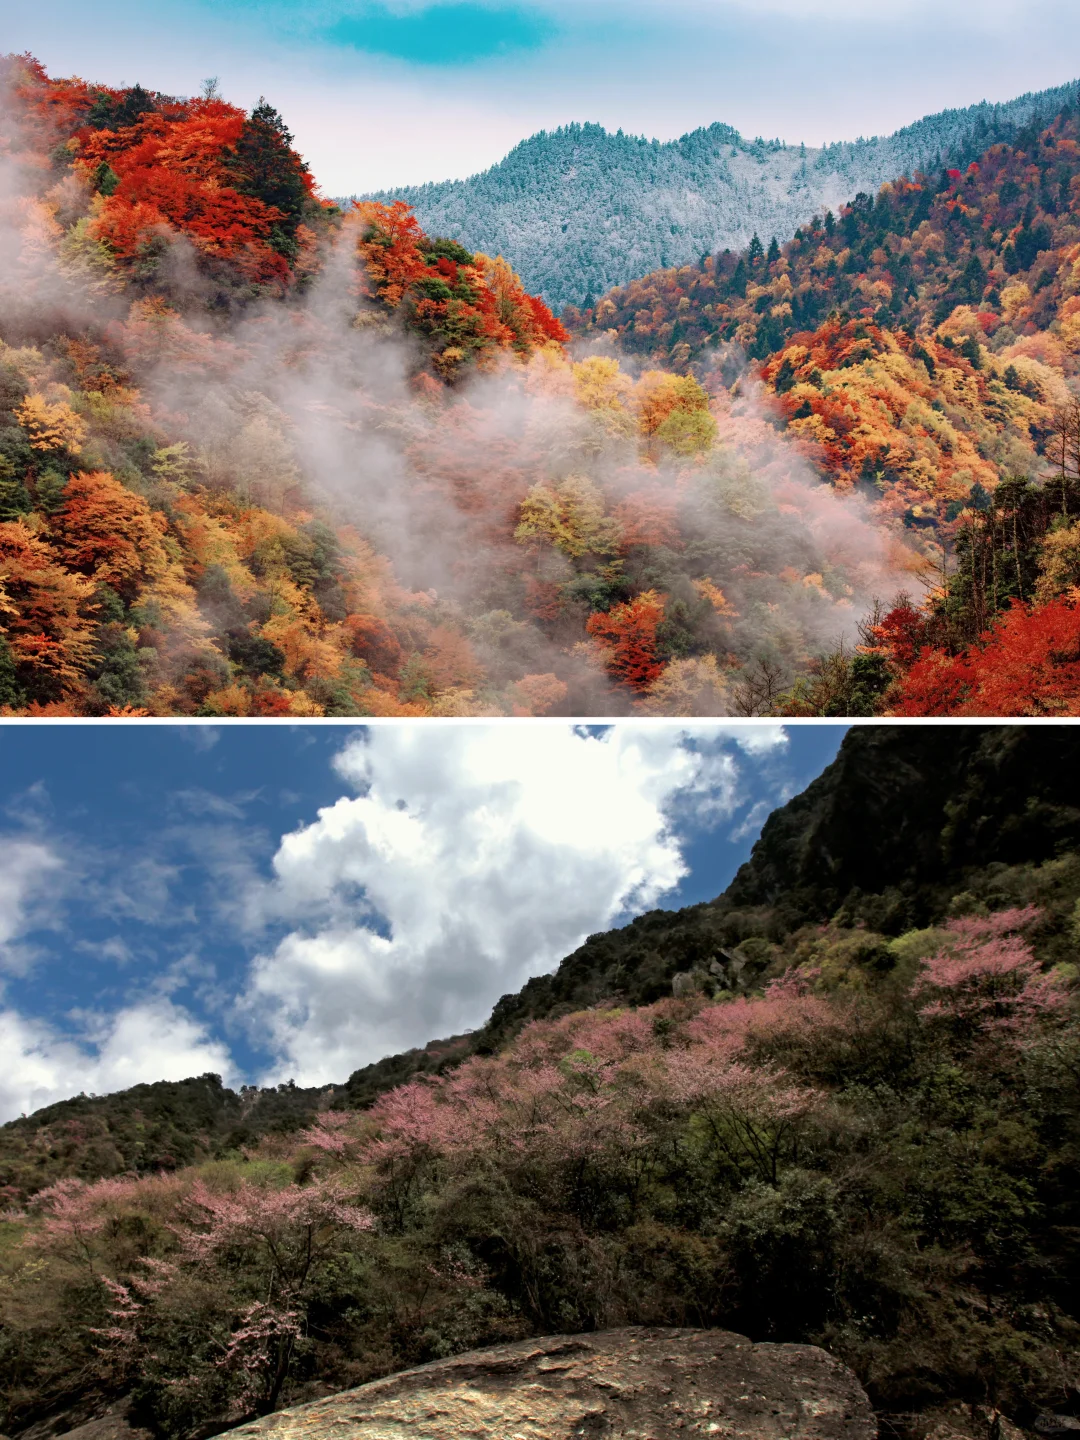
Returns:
point(836, 1104)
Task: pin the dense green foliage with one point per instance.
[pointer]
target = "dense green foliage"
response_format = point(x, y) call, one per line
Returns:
point(146, 1130)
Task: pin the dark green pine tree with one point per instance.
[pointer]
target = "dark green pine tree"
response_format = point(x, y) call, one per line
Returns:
point(969, 348)
point(109, 113)
point(49, 490)
point(973, 279)
point(14, 496)
point(774, 251)
point(11, 692)
point(266, 167)
point(104, 178)
point(756, 251)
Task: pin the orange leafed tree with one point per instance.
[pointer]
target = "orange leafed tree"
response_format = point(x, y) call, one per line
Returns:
point(449, 659)
point(44, 611)
point(537, 694)
point(390, 248)
point(648, 517)
point(106, 531)
point(628, 636)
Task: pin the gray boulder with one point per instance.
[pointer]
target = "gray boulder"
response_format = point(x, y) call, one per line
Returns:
point(631, 1384)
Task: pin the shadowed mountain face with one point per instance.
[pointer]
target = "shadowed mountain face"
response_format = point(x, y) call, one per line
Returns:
point(898, 824)
point(577, 210)
point(907, 811)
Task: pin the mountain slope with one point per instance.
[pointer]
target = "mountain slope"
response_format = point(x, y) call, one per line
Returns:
point(904, 819)
point(908, 255)
point(839, 1129)
point(189, 523)
point(921, 349)
point(901, 821)
point(578, 210)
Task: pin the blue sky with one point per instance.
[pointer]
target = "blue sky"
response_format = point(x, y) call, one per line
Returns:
point(273, 901)
point(382, 92)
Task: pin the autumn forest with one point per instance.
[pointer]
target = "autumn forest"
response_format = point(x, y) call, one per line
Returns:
point(262, 454)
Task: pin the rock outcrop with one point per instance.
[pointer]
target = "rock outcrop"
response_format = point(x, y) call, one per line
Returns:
point(632, 1384)
point(112, 1424)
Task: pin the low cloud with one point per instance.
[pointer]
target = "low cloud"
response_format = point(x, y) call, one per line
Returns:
point(151, 1040)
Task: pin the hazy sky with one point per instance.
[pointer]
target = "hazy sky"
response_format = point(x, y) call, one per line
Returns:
point(406, 90)
point(273, 901)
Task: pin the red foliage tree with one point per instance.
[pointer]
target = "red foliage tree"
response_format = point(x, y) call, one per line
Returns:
point(371, 639)
point(900, 635)
point(628, 635)
point(171, 173)
point(1026, 664)
point(468, 304)
point(163, 166)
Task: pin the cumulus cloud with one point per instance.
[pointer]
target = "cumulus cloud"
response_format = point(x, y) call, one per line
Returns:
point(151, 1040)
point(470, 858)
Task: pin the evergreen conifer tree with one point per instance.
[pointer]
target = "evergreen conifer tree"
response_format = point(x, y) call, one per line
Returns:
point(14, 496)
point(50, 491)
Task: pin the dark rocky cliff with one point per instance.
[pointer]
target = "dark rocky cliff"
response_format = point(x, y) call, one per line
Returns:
point(900, 822)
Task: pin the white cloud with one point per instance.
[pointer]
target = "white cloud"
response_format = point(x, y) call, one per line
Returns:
point(869, 12)
point(147, 1041)
point(199, 737)
point(472, 858)
point(31, 879)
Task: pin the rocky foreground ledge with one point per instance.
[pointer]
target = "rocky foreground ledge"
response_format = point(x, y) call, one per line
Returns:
point(632, 1384)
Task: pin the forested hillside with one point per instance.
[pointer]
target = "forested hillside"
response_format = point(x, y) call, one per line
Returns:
point(921, 349)
point(837, 1104)
point(578, 210)
point(260, 457)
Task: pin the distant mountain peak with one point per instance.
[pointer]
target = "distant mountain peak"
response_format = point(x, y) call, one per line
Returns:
point(631, 204)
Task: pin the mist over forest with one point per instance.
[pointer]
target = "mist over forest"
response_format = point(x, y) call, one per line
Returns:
point(265, 456)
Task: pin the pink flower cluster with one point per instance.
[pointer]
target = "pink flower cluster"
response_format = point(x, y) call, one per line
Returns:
point(986, 976)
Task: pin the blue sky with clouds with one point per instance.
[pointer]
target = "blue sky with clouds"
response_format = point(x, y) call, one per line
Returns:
point(272, 901)
point(381, 92)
